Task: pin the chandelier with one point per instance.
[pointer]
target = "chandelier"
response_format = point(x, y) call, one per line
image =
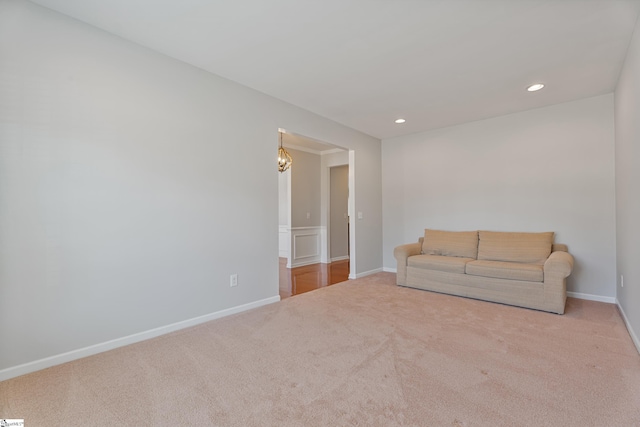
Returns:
point(284, 158)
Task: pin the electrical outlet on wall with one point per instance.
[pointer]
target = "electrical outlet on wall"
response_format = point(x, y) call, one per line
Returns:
point(233, 280)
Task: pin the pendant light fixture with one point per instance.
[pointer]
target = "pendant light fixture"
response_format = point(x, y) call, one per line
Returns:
point(284, 158)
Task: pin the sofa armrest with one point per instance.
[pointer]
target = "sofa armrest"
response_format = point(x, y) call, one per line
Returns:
point(559, 264)
point(402, 254)
point(559, 247)
point(556, 270)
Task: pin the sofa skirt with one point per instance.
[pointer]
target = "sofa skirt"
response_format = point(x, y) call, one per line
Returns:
point(533, 295)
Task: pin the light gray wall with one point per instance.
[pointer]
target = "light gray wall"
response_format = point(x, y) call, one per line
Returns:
point(328, 161)
point(627, 109)
point(338, 207)
point(339, 158)
point(548, 169)
point(283, 197)
point(365, 164)
point(132, 185)
point(305, 189)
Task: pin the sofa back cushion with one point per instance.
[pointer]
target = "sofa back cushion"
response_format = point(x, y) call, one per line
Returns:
point(530, 248)
point(450, 243)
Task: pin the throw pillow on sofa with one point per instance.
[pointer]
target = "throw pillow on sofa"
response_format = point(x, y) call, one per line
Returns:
point(530, 248)
point(462, 244)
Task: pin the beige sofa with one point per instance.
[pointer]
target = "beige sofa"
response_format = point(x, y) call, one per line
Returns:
point(522, 269)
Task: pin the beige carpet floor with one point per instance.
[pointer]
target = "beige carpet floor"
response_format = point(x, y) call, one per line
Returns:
point(359, 353)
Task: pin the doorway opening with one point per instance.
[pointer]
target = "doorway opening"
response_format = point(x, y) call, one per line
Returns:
point(315, 206)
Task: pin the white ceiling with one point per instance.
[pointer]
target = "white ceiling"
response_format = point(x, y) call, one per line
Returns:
point(364, 63)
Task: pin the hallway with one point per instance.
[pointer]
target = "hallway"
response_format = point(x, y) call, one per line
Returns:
point(294, 281)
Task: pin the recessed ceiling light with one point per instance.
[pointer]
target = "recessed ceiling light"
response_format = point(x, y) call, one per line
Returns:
point(400, 121)
point(535, 87)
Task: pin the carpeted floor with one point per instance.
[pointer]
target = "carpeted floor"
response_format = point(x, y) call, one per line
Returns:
point(361, 353)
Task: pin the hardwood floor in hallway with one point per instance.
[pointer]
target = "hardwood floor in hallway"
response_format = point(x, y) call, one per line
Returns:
point(294, 281)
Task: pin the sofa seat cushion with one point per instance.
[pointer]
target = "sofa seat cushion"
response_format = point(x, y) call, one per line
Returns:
point(528, 248)
point(462, 244)
point(506, 270)
point(449, 264)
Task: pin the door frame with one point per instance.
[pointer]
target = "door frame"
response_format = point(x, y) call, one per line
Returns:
point(348, 158)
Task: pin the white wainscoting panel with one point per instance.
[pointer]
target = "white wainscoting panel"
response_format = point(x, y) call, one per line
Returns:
point(305, 246)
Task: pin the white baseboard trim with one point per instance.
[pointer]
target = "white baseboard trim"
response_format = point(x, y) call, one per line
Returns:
point(69, 356)
point(303, 263)
point(340, 258)
point(590, 297)
point(390, 270)
point(632, 333)
point(367, 273)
